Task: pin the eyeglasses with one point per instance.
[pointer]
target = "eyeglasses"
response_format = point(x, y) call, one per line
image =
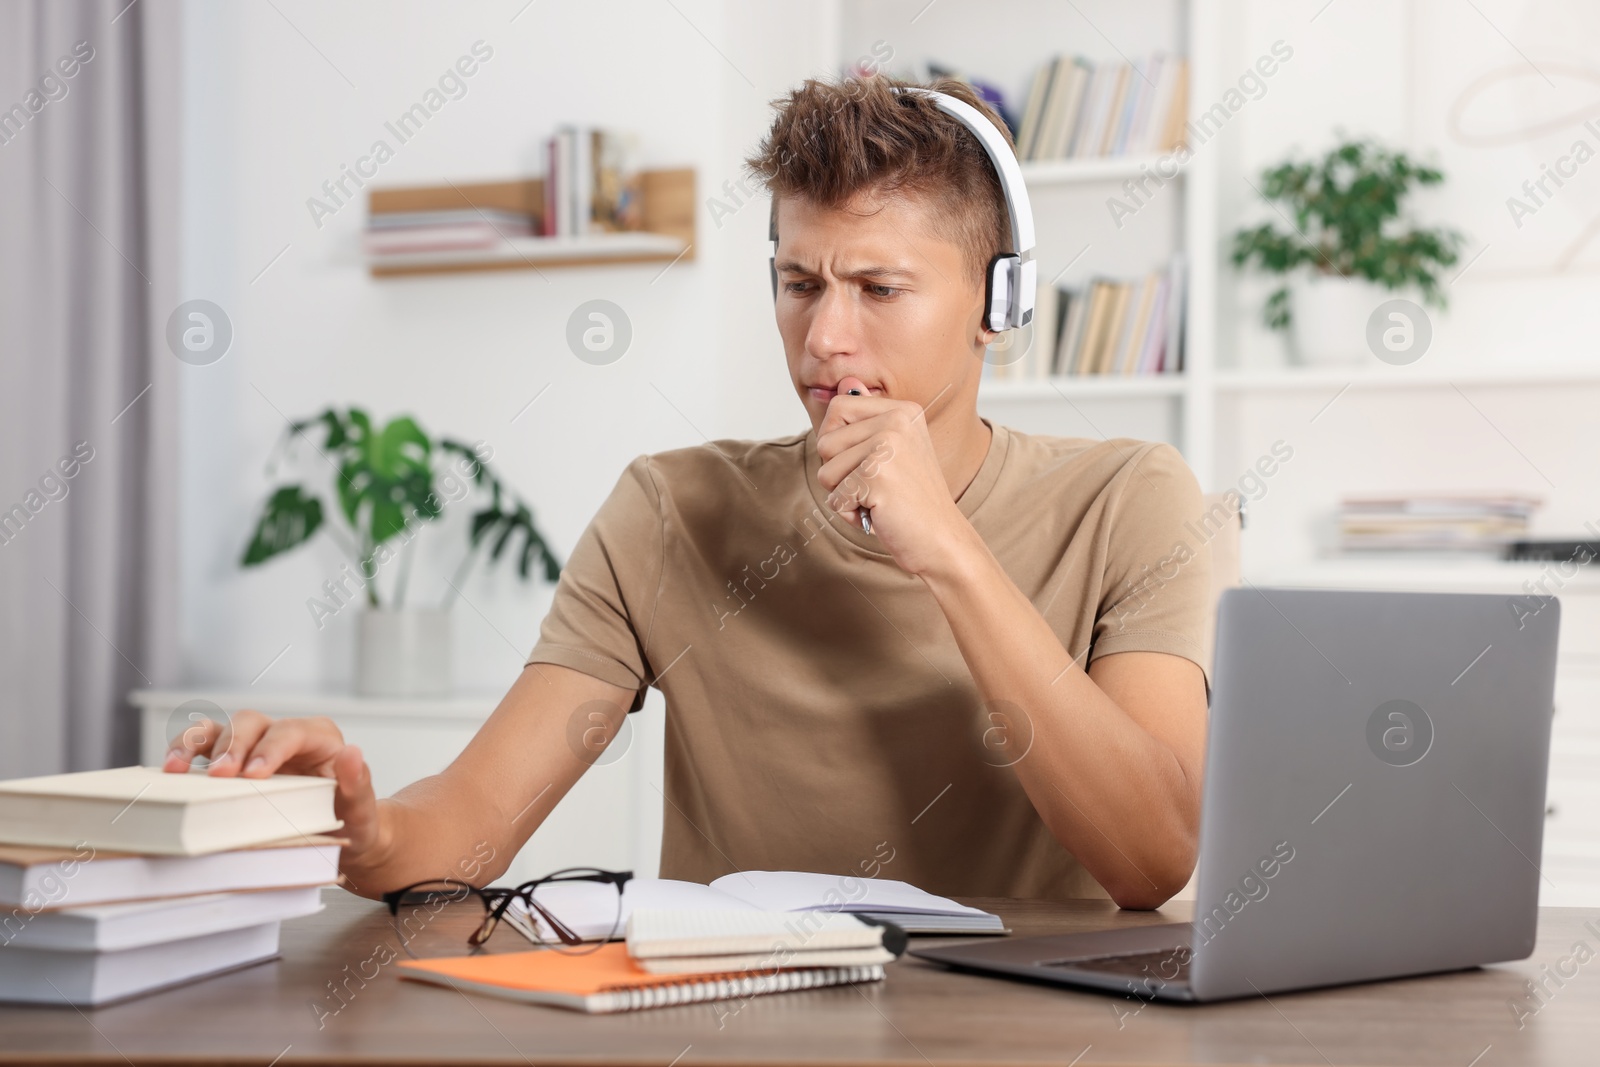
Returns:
point(574, 910)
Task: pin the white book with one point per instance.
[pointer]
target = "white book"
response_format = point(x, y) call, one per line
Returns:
point(1028, 132)
point(1156, 335)
point(1172, 350)
point(1137, 134)
point(566, 145)
point(1122, 121)
point(89, 979)
point(1054, 113)
point(667, 932)
point(1064, 359)
point(1106, 130)
point(115, 927)
point(1085, 138)
point(1172, 71)
point(582, 182)
point(590, 909)
point(1069, 119)
point(44, 879)
point(145, 809)
point(761, 961)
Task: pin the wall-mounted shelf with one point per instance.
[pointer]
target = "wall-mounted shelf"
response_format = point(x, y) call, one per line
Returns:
point(1368, 375)
point(1108, 386)
point(666, 199)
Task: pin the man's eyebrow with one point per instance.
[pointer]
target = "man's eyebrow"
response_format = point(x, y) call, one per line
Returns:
point(791, 266)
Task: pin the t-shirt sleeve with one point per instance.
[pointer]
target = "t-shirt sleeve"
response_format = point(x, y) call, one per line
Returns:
point(599, 620)
point(1157, 591)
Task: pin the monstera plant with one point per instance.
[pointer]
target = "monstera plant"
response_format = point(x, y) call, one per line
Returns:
point(387, 484)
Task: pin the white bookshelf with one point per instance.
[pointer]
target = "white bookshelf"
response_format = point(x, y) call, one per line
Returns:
point(1044, 173)
point(1365, 376)
point(1177, 408)
point(1074, 387)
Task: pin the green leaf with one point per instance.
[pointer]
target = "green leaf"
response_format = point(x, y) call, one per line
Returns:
point(288, 520)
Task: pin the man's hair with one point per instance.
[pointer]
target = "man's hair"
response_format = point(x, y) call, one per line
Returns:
point(834, 140)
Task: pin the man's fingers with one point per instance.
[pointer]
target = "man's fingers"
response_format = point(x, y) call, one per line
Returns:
point(281, 742)
point(240, 734)
point(846, 435)
point(195, 740)
point(353, 799)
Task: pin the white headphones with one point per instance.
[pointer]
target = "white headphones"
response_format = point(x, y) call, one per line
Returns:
point(1011, 281)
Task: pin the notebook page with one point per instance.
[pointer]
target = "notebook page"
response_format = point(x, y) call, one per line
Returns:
point(807, 891)
point(590, 908)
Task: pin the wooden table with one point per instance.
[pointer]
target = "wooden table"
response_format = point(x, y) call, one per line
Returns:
point(922, 1014)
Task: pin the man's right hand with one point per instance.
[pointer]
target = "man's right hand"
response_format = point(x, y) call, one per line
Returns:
point(252, 745)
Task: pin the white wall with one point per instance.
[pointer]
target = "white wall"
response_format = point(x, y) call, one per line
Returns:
point(1403, 72)
point(278, 103)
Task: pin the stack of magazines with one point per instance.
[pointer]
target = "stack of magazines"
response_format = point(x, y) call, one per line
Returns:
point(1454, 522)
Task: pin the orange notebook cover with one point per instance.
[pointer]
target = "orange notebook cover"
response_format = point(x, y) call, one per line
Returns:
point(608, 980)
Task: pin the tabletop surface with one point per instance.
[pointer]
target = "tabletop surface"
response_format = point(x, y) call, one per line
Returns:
point(285, 1011)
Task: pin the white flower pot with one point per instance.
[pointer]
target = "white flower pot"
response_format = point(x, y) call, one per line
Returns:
point(1330, 313)
point(403, 653)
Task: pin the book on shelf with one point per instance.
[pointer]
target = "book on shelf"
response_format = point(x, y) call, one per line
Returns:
point(119, 882)
point(1081, 110)
point(1106, 327)
point(592, 183)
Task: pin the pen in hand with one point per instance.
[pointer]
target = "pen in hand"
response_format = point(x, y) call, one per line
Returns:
point(866, 513)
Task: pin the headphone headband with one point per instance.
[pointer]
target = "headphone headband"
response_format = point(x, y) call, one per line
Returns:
point(1004, 160)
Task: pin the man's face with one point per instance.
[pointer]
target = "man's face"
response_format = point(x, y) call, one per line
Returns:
point(870, 290)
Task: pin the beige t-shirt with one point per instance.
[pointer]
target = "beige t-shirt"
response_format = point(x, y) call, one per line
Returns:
point(820, 716)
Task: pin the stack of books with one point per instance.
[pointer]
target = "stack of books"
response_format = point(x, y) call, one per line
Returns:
point(745, 934)
point(1104, 327)
point(677, 957)
point(1077, 110)
point(119, 882)
point(1456, 523)
point(592, 183)
point(404, 233)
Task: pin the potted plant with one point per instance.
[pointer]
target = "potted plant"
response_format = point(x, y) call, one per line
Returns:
point(388, 483)
point(1350, 249)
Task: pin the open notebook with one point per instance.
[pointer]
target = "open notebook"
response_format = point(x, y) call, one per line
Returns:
point(590, 909)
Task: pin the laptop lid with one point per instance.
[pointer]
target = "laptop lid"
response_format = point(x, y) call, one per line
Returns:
point(1375, 786)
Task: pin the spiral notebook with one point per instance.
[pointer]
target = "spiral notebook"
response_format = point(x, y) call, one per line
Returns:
point(608, 980)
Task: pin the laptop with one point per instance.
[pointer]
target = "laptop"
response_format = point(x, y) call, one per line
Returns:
point(1374, 802)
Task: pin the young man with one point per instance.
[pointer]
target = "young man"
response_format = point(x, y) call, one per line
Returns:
point(1002, 685)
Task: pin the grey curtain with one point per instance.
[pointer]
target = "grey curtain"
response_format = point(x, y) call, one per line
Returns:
point(89, 183)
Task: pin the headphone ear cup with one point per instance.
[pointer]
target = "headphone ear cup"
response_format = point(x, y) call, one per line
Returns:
point(997, 293)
